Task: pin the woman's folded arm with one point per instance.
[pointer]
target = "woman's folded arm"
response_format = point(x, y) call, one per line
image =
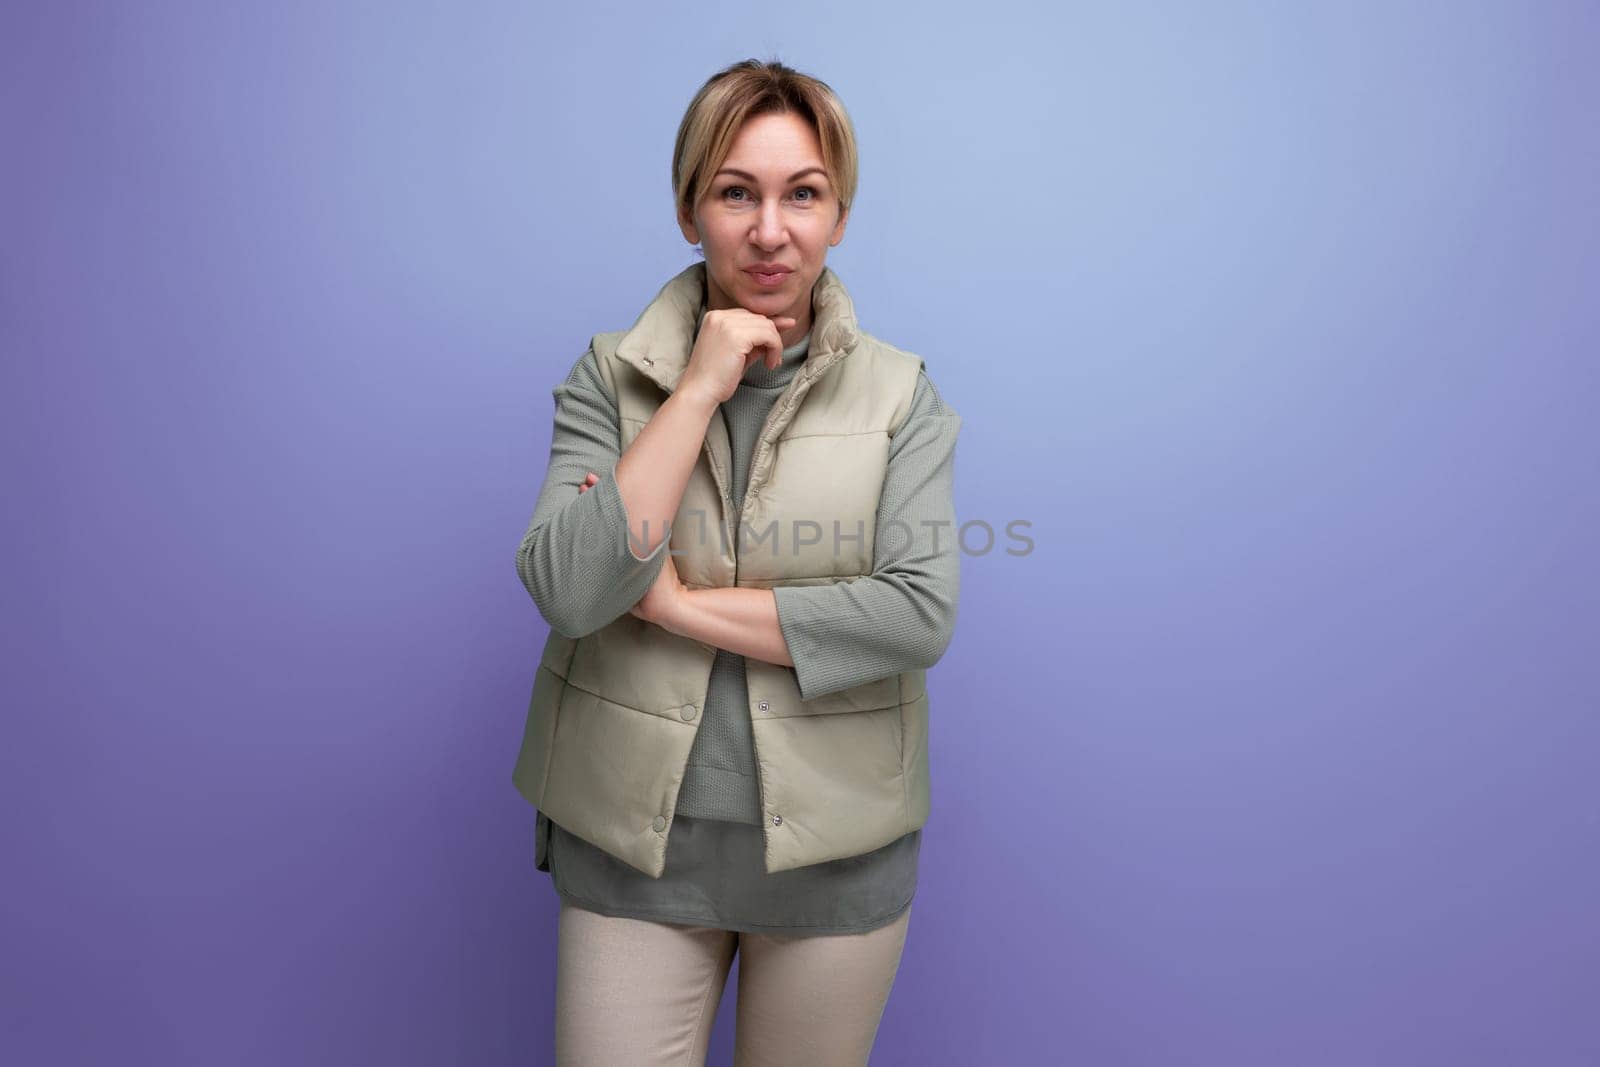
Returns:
point(576, 559)
point(902, 616)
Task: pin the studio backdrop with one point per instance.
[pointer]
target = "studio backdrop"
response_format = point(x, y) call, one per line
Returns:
point(1268, 732)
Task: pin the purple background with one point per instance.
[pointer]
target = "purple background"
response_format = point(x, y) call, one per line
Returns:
point(1280, 326)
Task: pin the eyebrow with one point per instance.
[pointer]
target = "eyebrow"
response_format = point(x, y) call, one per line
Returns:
point(747, 176)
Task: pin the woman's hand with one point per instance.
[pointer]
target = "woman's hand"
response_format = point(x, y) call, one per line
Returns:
point(730, 341)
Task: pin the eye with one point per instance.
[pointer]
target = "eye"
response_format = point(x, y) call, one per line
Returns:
point(727, 193)
point(807, 189)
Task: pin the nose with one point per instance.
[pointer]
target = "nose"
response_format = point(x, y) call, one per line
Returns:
point(770, 231)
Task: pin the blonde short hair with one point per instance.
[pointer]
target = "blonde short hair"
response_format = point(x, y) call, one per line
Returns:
point(750, 87)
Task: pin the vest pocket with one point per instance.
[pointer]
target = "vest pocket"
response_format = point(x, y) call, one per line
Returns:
point(868, 696)
point(838, 777)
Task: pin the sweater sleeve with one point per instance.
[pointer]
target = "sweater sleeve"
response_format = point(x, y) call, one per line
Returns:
point(902, 616)
point(576, 558)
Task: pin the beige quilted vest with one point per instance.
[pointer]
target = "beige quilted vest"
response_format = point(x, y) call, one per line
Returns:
point(614, 713)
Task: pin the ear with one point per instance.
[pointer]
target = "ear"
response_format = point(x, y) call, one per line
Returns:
point(838, 229)
point(690, 231)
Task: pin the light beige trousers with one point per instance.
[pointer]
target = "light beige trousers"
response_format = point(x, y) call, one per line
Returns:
point(635, 993)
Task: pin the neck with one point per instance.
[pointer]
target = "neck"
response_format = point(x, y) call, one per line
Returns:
point(759, 376)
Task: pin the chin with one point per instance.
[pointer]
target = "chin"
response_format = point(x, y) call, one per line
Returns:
point(767, 299)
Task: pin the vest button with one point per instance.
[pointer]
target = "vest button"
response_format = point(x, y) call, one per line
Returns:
point(687, 712)
point(660, 823)
point(777, 820)
point(762, 705)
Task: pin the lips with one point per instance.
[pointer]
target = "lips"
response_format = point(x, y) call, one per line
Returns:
point(768, 277)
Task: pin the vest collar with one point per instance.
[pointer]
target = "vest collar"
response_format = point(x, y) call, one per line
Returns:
point(660, 341)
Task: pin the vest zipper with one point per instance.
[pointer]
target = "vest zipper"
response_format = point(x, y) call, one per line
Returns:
point(770, 429)
point(722, 489)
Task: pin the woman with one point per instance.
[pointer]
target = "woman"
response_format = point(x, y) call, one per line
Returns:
point(727, 741)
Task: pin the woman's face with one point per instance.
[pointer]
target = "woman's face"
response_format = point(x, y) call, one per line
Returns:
point(769, 205)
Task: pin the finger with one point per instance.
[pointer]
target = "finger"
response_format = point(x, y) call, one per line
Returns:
point(780, 323)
